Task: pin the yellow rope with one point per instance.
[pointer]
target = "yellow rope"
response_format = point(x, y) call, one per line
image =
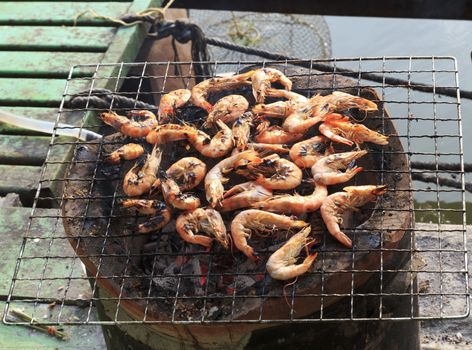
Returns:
point(156, 12)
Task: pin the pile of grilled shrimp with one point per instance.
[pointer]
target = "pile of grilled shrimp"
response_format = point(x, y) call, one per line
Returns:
point(266, 144)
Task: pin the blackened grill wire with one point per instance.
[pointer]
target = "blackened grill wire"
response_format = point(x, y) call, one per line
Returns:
point(49, 257)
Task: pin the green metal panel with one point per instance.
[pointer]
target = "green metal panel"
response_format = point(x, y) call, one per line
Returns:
point(27, 12)
point(23, 150)
point(36, 92)
point(95, 39)
point(53, 64)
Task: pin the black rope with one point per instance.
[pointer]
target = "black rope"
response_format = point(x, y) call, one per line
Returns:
point(441, 166)
point(441, 181)
point(102, 98)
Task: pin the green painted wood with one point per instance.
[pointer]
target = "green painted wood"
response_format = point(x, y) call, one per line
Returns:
point(19, 179)
point(37, 92)
point(23, 150)
point(44, 64)
point(16, 337)
point(41, 113)
point(95, 39)
point(63, 13)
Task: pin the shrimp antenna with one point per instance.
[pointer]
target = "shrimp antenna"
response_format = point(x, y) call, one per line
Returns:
point(288, 285)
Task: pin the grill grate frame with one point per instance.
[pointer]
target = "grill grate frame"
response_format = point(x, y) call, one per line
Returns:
point(413, 113)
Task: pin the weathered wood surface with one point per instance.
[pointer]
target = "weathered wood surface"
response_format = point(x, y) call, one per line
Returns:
point(43, 64)
point(58, 13)
point(93, 39)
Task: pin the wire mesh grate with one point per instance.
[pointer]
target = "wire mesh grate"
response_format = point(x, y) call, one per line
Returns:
point(422, 267)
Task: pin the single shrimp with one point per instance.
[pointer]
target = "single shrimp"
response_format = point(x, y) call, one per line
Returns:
point(301, 119)
point(188, 172)
point(280, 109)
point(341, 101)
point(269, 147)
point(227, 109)
point(253, 220)
point(242, 130)
point(215, 179)
point(201, 91)
point(129, 151)
point(262, 78)
point(282, 263)
point(139, 179)
point(294, 204)
point(140, 124)
point(169, 133)
point(170, 102)
point(306, 153)
point(327, 170)
point(174, 196)
point(339, 128)
point(243, 196)
point(144, 206)
point(353, 198)
point(214, 147)
point(156, 222)
point(275, 134)
point(205, 220)
point(273, 172)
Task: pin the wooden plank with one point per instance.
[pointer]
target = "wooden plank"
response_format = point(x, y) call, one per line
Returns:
point(23, 150)
point(96, 39)
point(19, 179)
point(37, 92)
point(41, 113)
point(63, 13)
point(44, 64)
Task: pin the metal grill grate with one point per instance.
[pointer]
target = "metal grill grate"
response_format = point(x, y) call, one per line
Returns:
point(435, 280)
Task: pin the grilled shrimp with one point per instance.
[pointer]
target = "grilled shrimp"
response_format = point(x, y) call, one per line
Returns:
point(242, 130)
point(243, 195)
point(188, 172)
point(294, 204)
point(168, 133)
point(273, 172)
point(174, 196)
point(280, 109)
point(205, 220)
point(327, 170)
point(139, 179)
point(156, 222)
point(306, 153)
point(170, 102)
point(307, 115)
point(282, 263)
point(140, 124)
point(339, 128)
point(201, 90)
point(214, 147)
point(227, 109)
point(144, 206)
point(129, 151)
point(275, 134)
point(341, 101)
point(269, 147)
point(215, 179)
point(262, 78)
point(253, 220)
point(336, 204)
